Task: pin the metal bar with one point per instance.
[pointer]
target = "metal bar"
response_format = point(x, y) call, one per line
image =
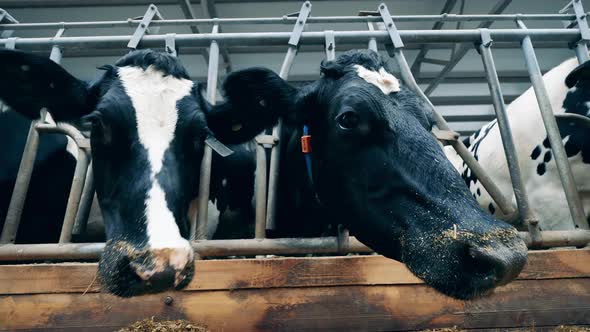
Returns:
point(273, 176)
point(288, 20)
point(205, 174)
point(85, 203)
point(285, 246)
point(561, 160)
point(187, 9)
point(522, 202)
point(79, 177)
point(416, 66)
point(75, 195)
point(501, 200)
point(372, 41)
point(142, 28)
point(171, 44)
point(582, 44)
point(582, 52)
point(462, 50)
point(260, 191)
point(311, 38)
point(211, 12)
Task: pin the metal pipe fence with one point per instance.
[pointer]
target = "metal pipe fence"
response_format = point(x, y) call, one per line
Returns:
point(575, 32)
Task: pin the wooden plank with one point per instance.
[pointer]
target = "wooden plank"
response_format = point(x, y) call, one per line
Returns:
point(348, 308)
point(277, 272)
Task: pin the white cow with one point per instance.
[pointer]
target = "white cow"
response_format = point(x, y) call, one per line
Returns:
point(536, 160)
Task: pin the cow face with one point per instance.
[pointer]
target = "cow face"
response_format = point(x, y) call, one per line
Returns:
point(379, 171)
point(149, 127)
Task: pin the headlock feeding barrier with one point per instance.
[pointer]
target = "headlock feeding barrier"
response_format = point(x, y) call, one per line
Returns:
point(381, 30)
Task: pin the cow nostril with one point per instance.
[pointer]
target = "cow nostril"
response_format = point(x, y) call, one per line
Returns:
point(488, 263)
point(157, 279)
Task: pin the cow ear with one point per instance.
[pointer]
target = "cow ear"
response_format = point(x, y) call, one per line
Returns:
point(30, 83)
point(581, 72)
point(255, 98)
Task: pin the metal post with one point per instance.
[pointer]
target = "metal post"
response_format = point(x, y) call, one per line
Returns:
point(582, 45)
point(75, 195)
point(520, 193)
point(372, 41)
point(563, 166)
point(85, 203)
point(142, 28)
point(273, 176)
point(205, 175)
point(501, 200)
point(260, 188)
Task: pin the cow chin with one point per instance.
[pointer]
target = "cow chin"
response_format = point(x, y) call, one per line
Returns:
point(122, 271)
point(465, 264)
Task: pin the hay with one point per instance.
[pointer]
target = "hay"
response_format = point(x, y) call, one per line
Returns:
point(149, 325)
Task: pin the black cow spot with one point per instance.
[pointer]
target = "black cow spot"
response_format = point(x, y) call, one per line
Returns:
point(546, 142)
point(541, 168)
point(478, 192)
point(571, 149)
point(536, 152)
point(492, 208)
point(547, 156)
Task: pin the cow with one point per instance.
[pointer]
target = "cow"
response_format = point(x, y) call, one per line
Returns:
point(568, 88)
point(149, 125)
point(372, 164)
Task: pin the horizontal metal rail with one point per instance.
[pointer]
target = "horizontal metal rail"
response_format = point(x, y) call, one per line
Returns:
point(247, 247)
point(290, 20)
point(308, 38)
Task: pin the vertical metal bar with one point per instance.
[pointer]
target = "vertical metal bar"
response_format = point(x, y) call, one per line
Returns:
point(582, 52)
point(563, 166)
point(75, 195)
point(501, 200)
point(85, 203)
point(372, 41)
point(520, 193)
point(205, 175)
point(273, 176)
point(260, 191)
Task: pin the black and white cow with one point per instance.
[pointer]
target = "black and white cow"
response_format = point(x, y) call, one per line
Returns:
point(568, 87)
point(149, 127)
point(376, 168)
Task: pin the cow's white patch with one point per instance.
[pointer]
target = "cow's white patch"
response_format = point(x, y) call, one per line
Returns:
point(386, 82)
point(154, 98)
point(588, 108)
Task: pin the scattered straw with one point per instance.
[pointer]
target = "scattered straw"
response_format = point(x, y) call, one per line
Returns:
point(91, 283)
point(149, 325)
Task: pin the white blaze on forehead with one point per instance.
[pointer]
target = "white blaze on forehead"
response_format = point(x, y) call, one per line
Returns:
point(154, 98)
point(386, 82)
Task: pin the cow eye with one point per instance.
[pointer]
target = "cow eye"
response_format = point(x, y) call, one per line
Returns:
point(348, 120)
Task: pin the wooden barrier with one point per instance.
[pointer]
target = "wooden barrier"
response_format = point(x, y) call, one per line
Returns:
point(295, 294)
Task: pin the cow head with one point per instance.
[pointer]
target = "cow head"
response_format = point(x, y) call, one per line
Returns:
point(380, 171)
point(149, 128)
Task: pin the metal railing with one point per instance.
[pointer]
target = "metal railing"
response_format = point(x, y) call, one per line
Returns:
point(575, 32)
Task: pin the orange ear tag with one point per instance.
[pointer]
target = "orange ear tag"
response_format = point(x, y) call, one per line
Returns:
point(306, 143)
